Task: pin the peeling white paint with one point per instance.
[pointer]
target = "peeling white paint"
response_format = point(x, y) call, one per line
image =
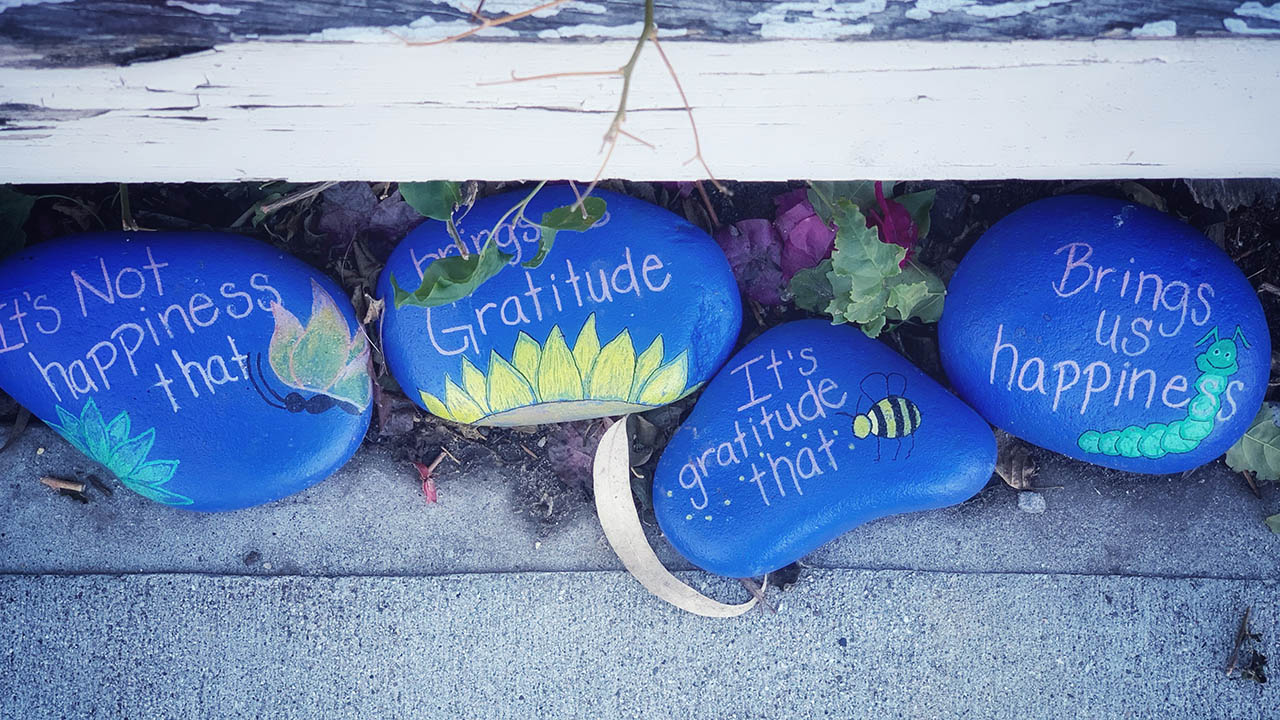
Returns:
point(1160, 28)
point(816, 20)
point(606, 31)
point(204, 8)
point(423, 29)
point(6, 4)
point(1236, 25)
point(495, 8)
point(1010, 9)
point(1258, 10)
point(1026, 109)
point(506, 7)
point(925, 9)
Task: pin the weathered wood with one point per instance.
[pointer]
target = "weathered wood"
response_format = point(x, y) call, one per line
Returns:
point(767, 111)
point(66, 33)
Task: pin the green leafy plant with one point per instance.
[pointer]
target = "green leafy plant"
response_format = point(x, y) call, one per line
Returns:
point(866, 280)
point(454, 277)
point(1258, 450)
point(15, 208)
point(126, 457)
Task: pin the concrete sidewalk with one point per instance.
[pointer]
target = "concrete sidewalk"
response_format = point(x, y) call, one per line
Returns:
point(845, 643)
point(362, 601)
point(370, 519)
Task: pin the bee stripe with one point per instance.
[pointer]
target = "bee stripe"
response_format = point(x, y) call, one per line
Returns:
point(899, 423)
point(871, 420)
point(879, 424)
point(915, 417)
point(891, 424)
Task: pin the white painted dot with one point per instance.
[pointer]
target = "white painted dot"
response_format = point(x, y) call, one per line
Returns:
point(688, 517)
point(726, 502)
point(668, 493)
point(804, 436)
point(850, 446)
point(708, 518)
point(787, 443)
point(835, 433)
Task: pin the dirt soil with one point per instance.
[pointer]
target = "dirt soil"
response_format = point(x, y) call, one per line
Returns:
point(349, 230)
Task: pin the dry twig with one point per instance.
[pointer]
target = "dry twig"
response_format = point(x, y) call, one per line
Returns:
point(60, 484)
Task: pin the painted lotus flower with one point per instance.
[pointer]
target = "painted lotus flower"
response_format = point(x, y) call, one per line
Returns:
point(126, 457)
point(550, 382)
point(323, 357)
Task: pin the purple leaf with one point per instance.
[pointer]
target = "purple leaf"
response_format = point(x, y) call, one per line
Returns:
point(754, 252)
point(683, 188)
point(894, 224)
point(351, 211)
point(806, 240)
point(571, 449)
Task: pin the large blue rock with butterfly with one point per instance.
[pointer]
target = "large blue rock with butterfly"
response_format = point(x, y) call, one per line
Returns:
point(1109, 332)
point(207, 372)
point(809, 431)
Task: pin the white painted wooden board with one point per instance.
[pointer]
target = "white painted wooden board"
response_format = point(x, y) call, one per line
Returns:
point(381, 110)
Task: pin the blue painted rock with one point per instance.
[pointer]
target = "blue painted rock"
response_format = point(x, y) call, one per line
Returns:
point(811, 430)
point(208, 372)
point(633, 313)
point(1108, 332)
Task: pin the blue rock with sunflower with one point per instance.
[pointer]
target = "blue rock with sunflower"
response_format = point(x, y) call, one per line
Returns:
point(204, 371)
point(809, 431)
point(631, 313)
point(1109, 332)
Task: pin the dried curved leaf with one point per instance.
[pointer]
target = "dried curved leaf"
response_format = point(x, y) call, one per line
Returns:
point(621, 523)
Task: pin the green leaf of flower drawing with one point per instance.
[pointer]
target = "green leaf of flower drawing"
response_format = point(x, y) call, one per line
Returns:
point(126, 457)
point(566, 218)
point(1258, 450)
point(324, 357)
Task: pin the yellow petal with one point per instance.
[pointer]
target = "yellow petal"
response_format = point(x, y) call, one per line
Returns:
point(648, 361)
point(558, 376)
point(525, 358)
point(434, 405)
point(614, 368)
point(473, 381)
point(507, 388)
point(460, 404)
point(667, 382)
point(587, 346)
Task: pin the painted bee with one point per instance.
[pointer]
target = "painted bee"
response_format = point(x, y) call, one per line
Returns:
point(892, 417)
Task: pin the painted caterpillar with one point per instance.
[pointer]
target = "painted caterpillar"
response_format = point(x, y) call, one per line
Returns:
point(1216, 364)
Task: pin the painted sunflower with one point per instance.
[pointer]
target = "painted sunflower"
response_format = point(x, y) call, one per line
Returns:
point(549, 382)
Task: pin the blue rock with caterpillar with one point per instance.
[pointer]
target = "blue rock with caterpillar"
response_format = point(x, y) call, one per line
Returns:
point(809, 431)
point(632, 313)
point(205, 371)
point(1109, 332)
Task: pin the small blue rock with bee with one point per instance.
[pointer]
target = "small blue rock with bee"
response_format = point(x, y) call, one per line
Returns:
point(809, 431)
point(1109, 332)
point(204, 371)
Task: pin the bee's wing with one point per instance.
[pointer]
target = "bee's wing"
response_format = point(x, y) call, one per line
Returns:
point(875, 386)
point(895, 384)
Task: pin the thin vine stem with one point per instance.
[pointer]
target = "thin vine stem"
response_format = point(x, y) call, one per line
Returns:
point(485, 24)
